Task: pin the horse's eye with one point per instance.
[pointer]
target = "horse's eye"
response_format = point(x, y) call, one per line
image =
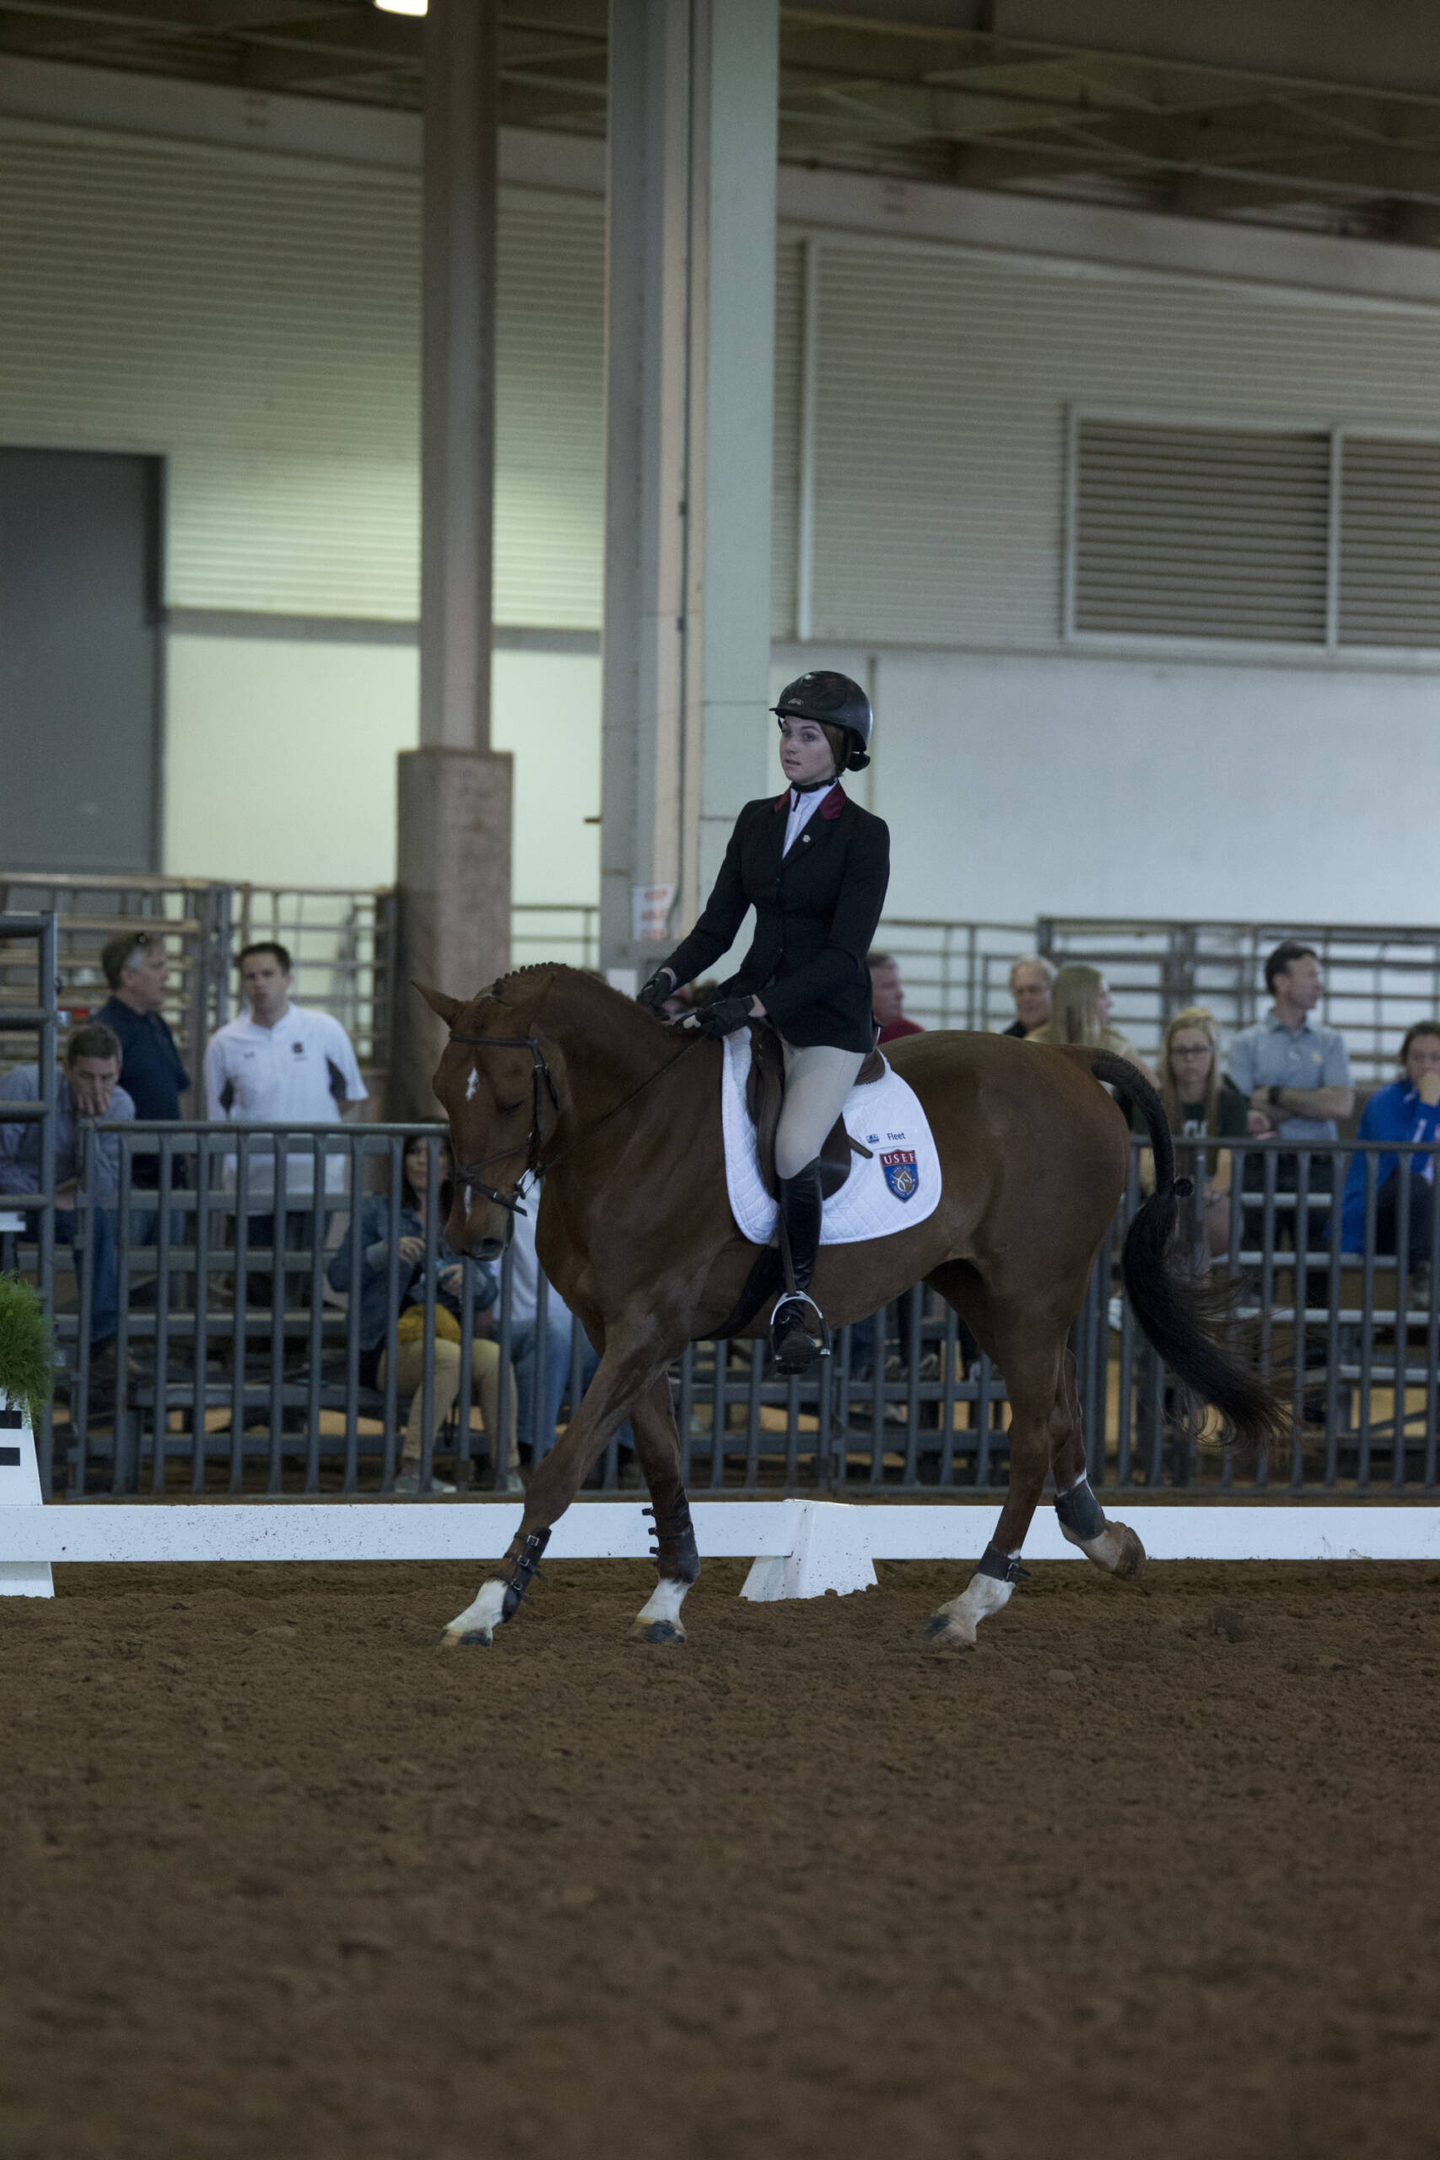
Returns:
point(508, 1109)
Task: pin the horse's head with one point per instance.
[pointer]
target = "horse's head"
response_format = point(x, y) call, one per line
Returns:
point(497, 1088)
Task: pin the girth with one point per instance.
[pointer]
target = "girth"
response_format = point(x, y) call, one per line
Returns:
point(765, 1097)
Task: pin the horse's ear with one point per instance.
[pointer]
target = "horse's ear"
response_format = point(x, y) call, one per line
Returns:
point(448, 1008)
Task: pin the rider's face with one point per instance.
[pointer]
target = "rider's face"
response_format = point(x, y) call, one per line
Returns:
point(805, 756)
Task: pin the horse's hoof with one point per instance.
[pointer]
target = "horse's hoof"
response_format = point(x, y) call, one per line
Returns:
point(1131, 1560)
point(472, 1638)
point(661, 1631)
point(949, 1633)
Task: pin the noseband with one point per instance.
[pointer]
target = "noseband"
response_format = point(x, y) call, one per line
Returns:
point(542, 1082)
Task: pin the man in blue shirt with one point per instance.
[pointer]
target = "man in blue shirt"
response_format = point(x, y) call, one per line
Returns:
point(135, 968)
point(1295, 1071)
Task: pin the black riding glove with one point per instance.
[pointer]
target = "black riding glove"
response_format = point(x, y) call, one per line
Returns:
point(723, 1015)
point(652, 995)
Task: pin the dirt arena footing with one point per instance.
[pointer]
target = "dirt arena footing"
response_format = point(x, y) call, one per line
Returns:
point(1151, 1872)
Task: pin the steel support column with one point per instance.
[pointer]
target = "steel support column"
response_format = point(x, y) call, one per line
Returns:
point(689, 404)
point(454, 791)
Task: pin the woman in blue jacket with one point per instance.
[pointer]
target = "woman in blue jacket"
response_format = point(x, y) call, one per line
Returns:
point(1407, 1110)
point(416, 1202)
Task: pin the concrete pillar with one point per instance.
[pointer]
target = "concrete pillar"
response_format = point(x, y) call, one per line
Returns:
point(690, 308)
point(454, 795)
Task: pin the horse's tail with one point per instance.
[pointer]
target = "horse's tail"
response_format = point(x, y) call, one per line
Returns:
point(1184, 1317)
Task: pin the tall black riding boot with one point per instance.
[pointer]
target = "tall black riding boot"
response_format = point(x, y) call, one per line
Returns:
point(798, 1334)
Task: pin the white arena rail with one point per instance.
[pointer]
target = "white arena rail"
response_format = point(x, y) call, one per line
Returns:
point(800, 1548)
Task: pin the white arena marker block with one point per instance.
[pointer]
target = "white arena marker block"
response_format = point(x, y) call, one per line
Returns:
point(20, 1487)
point(829, 1553)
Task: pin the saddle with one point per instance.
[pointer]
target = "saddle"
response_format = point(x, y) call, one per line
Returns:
point(764, 1095)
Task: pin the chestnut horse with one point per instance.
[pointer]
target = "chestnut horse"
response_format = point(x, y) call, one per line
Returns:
point(552, 1073)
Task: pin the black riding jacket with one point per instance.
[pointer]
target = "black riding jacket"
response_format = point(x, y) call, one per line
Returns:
point(815, 916)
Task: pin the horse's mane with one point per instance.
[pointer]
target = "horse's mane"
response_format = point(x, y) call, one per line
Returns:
point(563, 976)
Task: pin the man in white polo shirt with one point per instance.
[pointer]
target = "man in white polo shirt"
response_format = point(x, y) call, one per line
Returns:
point(281, 1064)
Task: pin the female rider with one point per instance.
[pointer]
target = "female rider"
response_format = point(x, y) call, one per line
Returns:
point(814, 866)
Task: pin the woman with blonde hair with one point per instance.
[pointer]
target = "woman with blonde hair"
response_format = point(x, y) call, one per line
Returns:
point(1201, 1104)
point(1080, 1013)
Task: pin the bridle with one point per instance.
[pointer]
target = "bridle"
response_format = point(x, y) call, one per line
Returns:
point(542, 1083)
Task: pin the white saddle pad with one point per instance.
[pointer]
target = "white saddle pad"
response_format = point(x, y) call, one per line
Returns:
point(899, 1186)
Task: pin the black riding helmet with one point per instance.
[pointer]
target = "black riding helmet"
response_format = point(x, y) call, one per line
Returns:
point(835, 700)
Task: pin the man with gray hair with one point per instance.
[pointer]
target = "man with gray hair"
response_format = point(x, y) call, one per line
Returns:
point(136, 969)
point(1030, 980)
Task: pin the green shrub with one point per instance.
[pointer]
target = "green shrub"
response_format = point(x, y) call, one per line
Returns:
point(27, 1346)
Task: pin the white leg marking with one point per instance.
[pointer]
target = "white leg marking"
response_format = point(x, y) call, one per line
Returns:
point(659, 1619)
point(1117, 1550)
point(472, 1084)
point(480, 1619)
point(958, 1620)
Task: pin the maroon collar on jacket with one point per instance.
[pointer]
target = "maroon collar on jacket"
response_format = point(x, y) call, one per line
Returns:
point(831, 807)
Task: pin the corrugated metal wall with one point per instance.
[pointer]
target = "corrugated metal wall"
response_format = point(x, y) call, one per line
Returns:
point(255, 320)
point(942, 387)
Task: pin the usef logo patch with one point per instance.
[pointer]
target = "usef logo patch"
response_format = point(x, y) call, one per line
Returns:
point(901, 1174)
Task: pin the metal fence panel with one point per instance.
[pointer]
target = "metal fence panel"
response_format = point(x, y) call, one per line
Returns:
point(250, 1359)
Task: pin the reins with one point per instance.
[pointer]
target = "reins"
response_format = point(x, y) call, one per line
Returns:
point(542, 1080)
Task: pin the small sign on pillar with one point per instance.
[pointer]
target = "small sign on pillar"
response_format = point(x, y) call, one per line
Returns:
point(650, 907)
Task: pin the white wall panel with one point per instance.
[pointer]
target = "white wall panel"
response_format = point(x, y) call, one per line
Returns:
point(281, 751)
point(1017, 786)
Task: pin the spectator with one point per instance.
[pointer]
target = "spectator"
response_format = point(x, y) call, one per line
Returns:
point(1295, 1073)
point(548, 1370)
point(416, 1208)
point(1295, 1070)
point(1030, 985)
point(1080, 1013)
point(136, 969)
point(1200, 1104)
point(277, 1064)
point(887, 999)
point(1407, 1110)
point(88, 1088)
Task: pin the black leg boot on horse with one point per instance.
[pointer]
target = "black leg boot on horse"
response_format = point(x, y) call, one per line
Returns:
point(798, 1334)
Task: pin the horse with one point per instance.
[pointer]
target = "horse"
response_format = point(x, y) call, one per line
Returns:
point(551, 1075)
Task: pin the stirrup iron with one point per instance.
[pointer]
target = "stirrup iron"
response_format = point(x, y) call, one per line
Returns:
point(816, 1344)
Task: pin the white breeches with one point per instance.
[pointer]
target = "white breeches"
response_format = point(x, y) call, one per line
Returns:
point(817, 1082)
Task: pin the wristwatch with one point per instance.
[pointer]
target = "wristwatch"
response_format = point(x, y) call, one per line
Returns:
point(1275, 1094)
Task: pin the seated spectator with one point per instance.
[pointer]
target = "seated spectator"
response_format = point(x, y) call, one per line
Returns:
point(887, 999)
point(1407, 1110)
point(541, 1372)
point(154, 1078)
point(280, 1063)
point(1295, 1072)
point(88, 1087)
point(1030, 986)
point(1200, 1104)
point(416, 1207)
point(1080, 1013)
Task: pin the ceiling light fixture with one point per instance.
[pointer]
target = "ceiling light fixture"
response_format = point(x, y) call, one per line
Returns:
point(401, 7)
